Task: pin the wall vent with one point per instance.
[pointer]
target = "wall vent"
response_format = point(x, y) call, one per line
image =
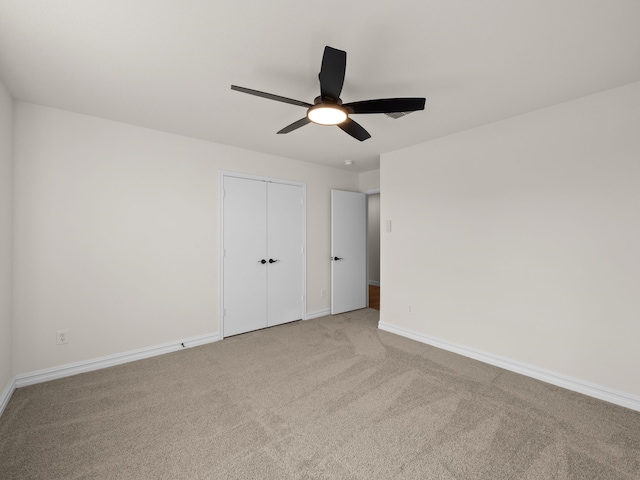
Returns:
point(397, 115)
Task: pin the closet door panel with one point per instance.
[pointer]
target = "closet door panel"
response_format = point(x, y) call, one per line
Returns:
point(285, 240)
point(244, 244)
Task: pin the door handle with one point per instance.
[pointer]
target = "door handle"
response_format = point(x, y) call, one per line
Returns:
point(271, 260)
point(263, 261)
point(336, 258)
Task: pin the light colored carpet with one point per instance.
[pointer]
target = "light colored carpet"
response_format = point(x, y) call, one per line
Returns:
point(327, 398)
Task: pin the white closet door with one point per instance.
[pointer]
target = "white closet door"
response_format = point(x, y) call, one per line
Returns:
point(245, 277)
point(285, 247)
point(348, 251)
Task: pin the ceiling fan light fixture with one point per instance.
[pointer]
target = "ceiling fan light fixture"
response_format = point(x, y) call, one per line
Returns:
point(327, 114)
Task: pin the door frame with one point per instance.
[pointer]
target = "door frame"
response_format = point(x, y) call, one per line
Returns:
point(221, 176)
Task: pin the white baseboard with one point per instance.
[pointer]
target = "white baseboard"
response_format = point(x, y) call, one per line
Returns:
point(590, 389)
point(318, 314)
point(201, 340)
point(5, 396)
point(54, 373)
point(374, 283)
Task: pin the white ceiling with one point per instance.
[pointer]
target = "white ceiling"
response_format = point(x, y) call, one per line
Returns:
point(169, 64)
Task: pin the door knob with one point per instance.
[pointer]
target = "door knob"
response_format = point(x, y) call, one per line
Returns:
point(271, 260)
point(263, 261)
point(337, 258)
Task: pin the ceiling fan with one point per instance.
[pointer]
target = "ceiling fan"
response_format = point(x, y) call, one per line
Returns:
point(328, 109)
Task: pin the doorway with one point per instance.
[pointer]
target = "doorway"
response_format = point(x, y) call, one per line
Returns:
point(355, 250)
point(348, 251)
point(373, 249)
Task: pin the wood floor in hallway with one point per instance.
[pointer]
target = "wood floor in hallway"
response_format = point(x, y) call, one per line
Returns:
point(374, 297)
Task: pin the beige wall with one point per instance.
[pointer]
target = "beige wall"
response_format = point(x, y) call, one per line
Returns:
point(6, 108)
point(520, 239)
point(369, 181)
point(116, 231)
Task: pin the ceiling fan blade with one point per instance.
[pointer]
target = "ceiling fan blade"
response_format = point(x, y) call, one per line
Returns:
point(295, 125)
point(354, 129)
point(271, 96)
point(334, 64)
point(386, 105)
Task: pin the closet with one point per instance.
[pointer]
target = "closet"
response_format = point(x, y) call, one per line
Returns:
point(262, 253)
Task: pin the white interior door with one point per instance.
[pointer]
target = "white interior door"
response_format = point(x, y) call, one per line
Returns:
point(244, 251)
point(285, 244)
point(348, 251)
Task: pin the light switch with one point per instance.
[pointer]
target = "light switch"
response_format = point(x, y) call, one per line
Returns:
point(388, 225)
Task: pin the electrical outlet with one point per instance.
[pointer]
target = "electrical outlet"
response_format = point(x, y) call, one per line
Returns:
point(410, 308)
point(62, 337)
point(323, 293)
